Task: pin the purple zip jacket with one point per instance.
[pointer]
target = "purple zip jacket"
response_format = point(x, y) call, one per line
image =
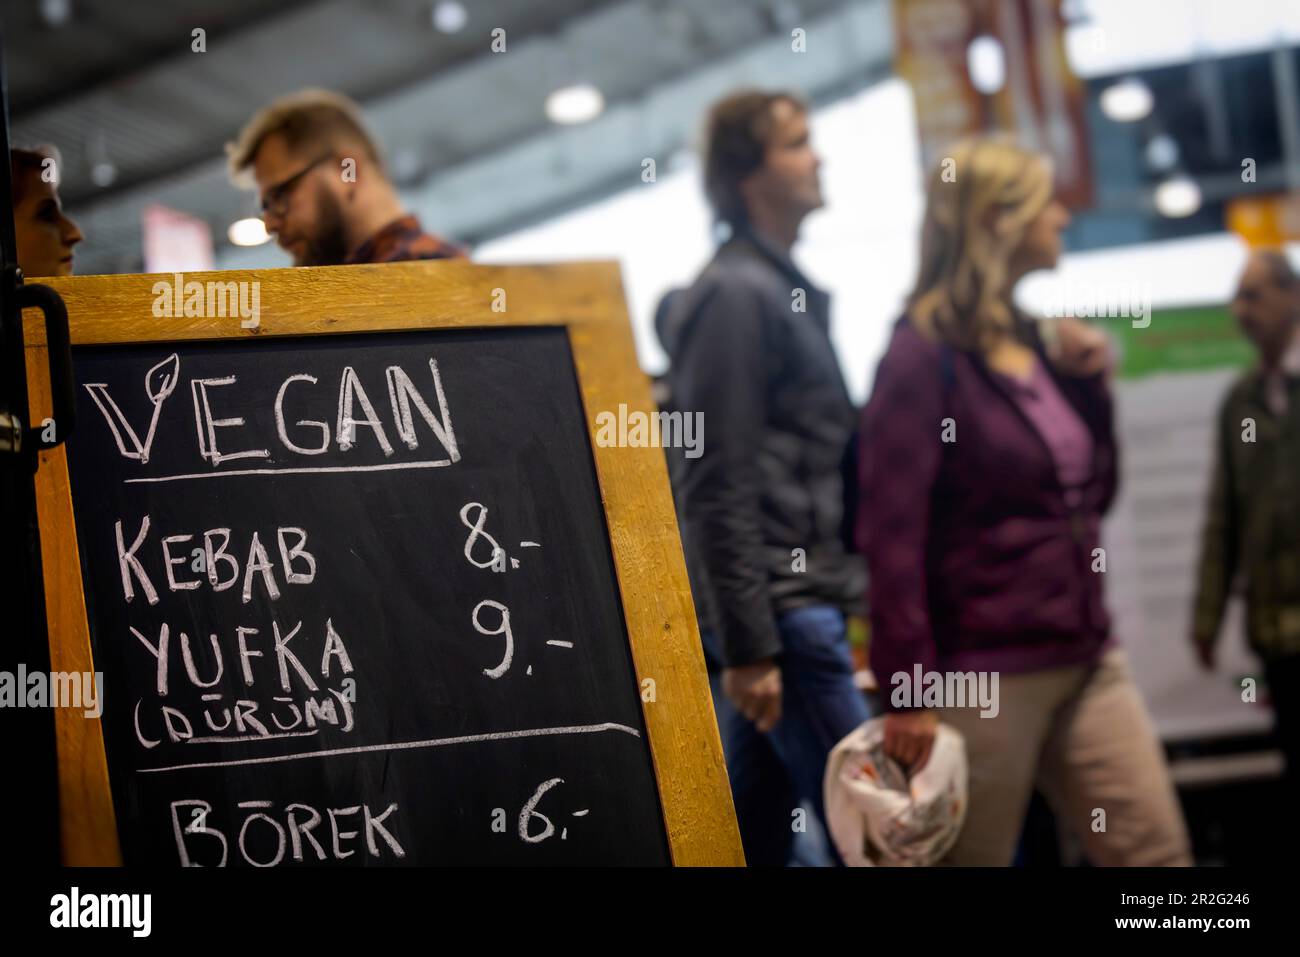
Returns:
point(977, 561)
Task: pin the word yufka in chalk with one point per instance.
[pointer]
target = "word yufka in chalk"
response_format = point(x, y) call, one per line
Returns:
point(300, 690)
point(217, 435)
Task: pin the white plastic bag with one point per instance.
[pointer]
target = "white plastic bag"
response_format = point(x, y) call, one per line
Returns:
point(877, 817)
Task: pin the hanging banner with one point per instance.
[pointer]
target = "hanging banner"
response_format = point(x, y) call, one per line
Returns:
point(1040, 99)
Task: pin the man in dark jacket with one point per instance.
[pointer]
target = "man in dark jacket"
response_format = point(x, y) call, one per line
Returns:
point(762, 506)
point(1252, 526)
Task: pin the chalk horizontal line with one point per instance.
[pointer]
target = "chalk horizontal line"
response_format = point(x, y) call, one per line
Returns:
point(218, 739)
point(406, 745)
point(387, 467)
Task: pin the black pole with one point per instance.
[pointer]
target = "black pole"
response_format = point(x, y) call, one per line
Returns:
point(29, 793)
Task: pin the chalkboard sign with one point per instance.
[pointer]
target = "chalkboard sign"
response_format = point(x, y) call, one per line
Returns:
point(370, 594)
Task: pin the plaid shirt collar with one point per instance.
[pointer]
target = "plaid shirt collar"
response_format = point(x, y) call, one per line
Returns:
point(1275, 381)
point(403, 240)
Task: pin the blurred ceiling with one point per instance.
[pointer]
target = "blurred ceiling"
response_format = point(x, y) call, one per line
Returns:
point(141, 117)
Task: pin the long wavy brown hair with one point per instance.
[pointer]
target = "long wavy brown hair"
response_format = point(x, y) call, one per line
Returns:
point(981, 198)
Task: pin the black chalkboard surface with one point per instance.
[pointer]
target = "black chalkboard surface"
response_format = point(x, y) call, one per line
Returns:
point(354, 603)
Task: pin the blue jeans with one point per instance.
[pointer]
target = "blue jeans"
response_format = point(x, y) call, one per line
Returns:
point(772, 774)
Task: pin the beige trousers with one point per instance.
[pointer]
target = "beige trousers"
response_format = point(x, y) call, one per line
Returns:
point(1083, 737)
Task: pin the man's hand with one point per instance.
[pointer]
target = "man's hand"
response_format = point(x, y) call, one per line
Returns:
point(909, 736)
point(1080, 350)
point(755, 690)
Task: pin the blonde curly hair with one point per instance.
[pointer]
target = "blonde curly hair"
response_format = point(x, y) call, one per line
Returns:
point(980, 201)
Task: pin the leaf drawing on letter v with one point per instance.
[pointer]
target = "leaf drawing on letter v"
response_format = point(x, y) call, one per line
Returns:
point(159, 383)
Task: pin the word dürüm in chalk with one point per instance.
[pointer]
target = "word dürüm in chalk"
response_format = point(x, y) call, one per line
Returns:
point(297, 394)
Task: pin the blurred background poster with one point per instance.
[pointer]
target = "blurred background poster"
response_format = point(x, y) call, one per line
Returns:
point(973, 65)
point(175, 241)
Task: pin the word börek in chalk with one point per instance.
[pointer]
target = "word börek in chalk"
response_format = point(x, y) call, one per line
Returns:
point(306, 834)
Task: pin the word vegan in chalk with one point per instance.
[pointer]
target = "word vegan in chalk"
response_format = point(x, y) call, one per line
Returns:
point(640, 430)
point(222, 438)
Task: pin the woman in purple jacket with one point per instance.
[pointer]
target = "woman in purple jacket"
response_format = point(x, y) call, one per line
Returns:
point(985, 476)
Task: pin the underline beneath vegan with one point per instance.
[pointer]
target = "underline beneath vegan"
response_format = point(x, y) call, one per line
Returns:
point(388, 466)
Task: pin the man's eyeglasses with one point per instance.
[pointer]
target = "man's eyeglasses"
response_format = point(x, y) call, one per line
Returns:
point(275, 201)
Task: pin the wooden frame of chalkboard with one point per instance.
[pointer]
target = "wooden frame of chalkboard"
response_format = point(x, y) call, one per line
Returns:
point(586, 300)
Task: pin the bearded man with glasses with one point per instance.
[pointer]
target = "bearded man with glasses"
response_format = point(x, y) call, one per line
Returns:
point(325, 194)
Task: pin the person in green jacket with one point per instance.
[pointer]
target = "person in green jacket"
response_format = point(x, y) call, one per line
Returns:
point(1252, 526)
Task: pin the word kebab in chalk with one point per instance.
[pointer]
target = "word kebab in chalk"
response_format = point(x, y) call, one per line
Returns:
point(357, 423)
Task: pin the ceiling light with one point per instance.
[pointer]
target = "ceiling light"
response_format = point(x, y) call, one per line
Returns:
point(449, 16)
point(1162, 153)
point(1177, 197)
point(986, 64)
point(56, 13)
point(103, 173)
point(575, 104)
point(1127, 101)
point(248, 232)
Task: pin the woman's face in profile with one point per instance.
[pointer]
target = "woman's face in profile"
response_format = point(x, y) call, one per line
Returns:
point(44, 235)
point(1040, 248)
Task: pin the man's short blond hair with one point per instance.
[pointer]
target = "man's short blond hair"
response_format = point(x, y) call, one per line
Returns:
point(309, 120)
